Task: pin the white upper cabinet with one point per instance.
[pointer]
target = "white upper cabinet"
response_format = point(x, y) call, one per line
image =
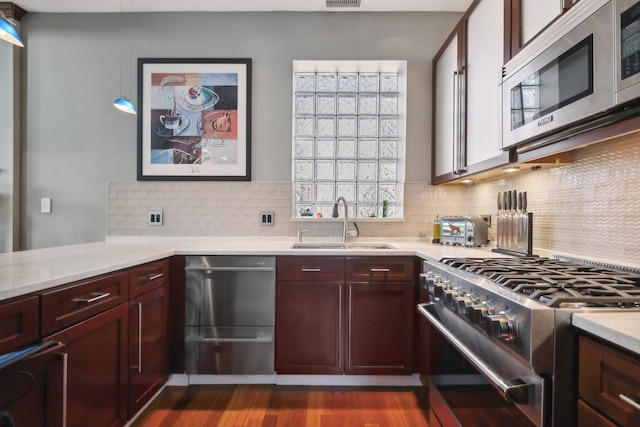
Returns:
point(446, 67)
point(485, 57)
point(535, 15)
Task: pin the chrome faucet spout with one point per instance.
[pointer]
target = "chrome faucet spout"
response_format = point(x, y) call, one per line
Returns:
point(346, 216)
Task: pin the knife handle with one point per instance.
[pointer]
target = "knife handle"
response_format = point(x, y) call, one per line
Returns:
point(524, 201)
point(514, 200)
point(506, 200)
point(499, 201)
point(520, 198)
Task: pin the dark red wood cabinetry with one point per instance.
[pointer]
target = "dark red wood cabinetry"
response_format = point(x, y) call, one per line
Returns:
point(96, 349)
point(380, 311)
point(309, 313)
point(19, 323)
point(147, 333)
point(606, 376)
point(338, 315)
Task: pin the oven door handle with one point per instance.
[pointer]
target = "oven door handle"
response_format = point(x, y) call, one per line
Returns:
point(511, 390)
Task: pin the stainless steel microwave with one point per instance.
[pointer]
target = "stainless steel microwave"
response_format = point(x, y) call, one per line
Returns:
point(581, 73)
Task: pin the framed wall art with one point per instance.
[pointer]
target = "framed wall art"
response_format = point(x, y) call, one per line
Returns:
point(194, 119)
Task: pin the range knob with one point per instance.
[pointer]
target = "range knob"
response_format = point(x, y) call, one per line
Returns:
point(450, 295)
point(439, 288)
point(461, 303)
point(501, 326)
point(476, 313)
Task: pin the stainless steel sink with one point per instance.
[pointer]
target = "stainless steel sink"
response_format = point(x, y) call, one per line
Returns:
point(339, 245)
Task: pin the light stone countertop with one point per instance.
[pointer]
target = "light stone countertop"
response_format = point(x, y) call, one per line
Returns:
point(622, 329)
point(36, 270)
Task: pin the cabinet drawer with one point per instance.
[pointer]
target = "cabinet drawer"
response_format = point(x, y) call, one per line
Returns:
point(148, 276)
point(310, 269)
point(380, 269)
point(605, 375)
point(19, 323)
point(589, 417)
point(81, 300)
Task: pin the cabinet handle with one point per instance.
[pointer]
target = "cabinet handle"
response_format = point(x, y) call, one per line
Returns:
point(462, 152)
point(65, 358)
point(380, 270)
point(157, 276)
point(139, 366)
point(96, 296)
point(310, 270)
point(456, 118)
point(630, 401)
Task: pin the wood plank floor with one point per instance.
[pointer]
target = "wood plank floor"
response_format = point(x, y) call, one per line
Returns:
point(296, 406)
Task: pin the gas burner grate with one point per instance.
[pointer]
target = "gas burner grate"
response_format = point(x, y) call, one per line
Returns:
point(557, 282)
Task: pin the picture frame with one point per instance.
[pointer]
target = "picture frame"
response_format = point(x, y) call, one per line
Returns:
point(194, 119)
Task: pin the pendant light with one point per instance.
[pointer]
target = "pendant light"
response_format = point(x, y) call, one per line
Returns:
point(8, 31)
point(122, 103)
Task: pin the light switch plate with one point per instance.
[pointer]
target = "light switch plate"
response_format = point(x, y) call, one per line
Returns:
point(45, 205)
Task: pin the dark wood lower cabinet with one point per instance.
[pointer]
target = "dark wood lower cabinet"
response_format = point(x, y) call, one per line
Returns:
point(309, 335)
point(97, 376)
point(147, 345)
point(379, 328)
point(32, 390)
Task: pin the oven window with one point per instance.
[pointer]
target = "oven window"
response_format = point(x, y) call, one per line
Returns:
point(561, 82)
point(630, 41)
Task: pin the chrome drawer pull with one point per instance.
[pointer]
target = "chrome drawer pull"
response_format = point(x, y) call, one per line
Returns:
point(380, 270)
point(97, 296)
point(157, 276)
point(310, 270)
point(630, 401)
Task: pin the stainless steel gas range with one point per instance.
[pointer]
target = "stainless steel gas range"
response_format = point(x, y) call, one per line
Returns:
point(511, 320)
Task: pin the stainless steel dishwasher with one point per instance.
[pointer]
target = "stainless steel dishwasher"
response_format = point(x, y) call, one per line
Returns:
point(229, 314)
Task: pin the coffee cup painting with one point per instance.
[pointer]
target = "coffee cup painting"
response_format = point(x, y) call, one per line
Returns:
point(195, 121)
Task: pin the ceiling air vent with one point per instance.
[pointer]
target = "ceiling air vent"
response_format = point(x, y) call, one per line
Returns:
point(343, 3)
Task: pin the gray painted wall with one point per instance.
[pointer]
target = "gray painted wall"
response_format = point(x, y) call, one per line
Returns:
point(75, 142)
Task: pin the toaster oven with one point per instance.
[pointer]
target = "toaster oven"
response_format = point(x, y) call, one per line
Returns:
point(465, 231)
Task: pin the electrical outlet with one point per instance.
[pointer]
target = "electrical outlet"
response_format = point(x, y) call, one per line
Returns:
point(155, 218)
point(487, 219)
point(267, 217)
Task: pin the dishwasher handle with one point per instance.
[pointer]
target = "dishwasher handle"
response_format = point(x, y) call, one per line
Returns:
point(243, 338)
point(262, 269)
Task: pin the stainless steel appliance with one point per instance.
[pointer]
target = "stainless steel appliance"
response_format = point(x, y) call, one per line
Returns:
point(465, 231)
point(581, 73)
point(229, 315)
point(511, 319)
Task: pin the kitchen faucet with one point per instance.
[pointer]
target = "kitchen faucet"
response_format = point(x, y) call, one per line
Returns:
point(346, 216)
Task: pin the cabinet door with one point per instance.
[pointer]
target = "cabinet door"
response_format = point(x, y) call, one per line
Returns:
point(379, 328)
point(535, 15)
point(445, 108)
point(41, 403)
point(147, 346)
point(309, 318)
point(484, 49)
point(97, 369)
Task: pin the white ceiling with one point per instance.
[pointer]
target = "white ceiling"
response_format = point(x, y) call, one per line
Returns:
point(95, 6)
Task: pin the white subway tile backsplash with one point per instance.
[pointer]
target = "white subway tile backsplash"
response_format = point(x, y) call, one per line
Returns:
point(589, 207)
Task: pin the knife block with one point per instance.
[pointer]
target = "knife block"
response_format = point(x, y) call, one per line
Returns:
point(515, 235)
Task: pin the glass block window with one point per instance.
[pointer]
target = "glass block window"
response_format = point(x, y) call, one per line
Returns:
point(348, 139)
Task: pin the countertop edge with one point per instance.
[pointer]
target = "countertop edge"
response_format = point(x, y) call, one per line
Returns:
point(621, 329)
